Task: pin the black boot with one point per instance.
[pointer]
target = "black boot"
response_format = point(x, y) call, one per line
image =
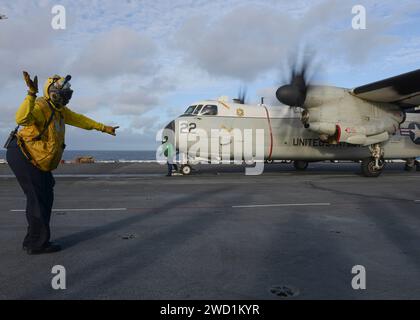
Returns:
point(50, 248)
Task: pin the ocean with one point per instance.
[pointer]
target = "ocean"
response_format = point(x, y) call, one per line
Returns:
point(105, 155)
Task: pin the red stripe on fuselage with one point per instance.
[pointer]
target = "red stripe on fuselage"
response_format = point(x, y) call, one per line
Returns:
point(338, 128)
point(271, 134)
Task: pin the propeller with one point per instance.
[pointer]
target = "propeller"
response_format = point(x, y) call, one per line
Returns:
point(293, 94)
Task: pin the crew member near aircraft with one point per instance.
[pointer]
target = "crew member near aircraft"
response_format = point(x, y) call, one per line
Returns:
point(170, 154)
point(35, 150)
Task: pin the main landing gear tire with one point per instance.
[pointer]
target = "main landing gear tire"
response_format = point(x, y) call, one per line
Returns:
point(368, 167)
point(411, 165)
point(300, 165)
point(410, 168)
point(186, 169)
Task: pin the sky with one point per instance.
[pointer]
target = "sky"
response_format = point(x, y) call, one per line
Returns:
point(140, 64)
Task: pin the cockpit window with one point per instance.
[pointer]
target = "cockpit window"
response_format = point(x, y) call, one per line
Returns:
point(197, 110)
point(209, 110)
point(190, 110)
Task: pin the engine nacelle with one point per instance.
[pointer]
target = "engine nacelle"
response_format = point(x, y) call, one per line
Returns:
point(338, 116)
point(366, 141)
point(336, 133)
point(327, 128)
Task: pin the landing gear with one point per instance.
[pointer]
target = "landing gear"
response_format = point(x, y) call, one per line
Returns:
point(372, 167)
point(300, 165)
point(369, 168)
point(410, 165)
point(186, 169)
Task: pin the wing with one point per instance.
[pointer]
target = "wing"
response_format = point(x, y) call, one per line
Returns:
point(403, 90)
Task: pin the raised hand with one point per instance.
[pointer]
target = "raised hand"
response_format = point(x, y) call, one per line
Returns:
point(32, 84)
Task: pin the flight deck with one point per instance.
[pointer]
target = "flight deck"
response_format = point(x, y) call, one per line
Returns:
point(129, 232)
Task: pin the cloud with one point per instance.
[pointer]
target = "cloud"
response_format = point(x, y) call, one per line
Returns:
point(117, 52)
point(147, 124)
point(235, 45)
point(28, 48)
point(356, 47)
point(408, 53)
point(252, 40)
point(142, 98)
point(127, 97)
point(248, 41)
point(140, 64)
point(121, 66)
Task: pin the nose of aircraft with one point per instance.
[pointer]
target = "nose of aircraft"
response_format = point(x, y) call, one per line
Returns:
point(171, 125)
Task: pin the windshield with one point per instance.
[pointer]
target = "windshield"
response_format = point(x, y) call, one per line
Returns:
point(196, 111)
point(190, 110)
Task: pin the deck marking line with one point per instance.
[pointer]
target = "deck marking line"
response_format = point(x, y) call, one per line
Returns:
point(91, 209)
point(283, 205)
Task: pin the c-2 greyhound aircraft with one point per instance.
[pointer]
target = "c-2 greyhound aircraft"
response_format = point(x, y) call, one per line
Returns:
point(371, 123)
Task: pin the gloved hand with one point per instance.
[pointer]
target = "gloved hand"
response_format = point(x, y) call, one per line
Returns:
point(110, 130)
point(32, 85)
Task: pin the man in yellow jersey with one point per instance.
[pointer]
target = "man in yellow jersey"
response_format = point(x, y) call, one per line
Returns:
point(36, 149)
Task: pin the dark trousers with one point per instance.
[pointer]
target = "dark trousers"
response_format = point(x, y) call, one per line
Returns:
point(171, 166)
point(38, 187)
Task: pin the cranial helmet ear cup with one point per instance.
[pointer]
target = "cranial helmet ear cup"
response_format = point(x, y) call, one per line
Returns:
point(55, 97)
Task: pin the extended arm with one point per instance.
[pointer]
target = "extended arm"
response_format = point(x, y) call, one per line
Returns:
point(81, 121)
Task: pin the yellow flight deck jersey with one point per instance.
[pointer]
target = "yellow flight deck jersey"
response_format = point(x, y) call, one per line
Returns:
point(33, 114)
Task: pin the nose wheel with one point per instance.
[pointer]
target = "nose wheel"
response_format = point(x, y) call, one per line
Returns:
point(186, 169)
